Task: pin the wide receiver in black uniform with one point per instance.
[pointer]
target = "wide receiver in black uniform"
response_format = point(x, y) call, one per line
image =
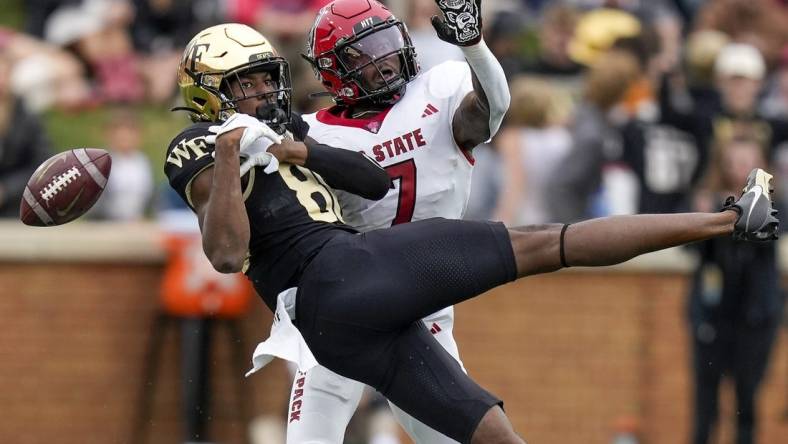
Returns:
point(360, 296)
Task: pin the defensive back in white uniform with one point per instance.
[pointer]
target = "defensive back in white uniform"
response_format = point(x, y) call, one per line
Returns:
point(413, 141)
point(420, 128)
point(431, 175)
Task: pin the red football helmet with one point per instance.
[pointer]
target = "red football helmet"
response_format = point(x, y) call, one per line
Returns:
point(361, 52)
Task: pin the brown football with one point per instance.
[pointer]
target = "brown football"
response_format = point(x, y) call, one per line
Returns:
point(65, 186)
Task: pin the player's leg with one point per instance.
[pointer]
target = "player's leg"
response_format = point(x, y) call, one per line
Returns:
point(496, 428)
point(321, 405)
point(405, 364)
point(708, 364)
point(751, 349)
point(408, 271)
point(441, 326)
point(425, 381)
point(612, 240)
point(419, 432)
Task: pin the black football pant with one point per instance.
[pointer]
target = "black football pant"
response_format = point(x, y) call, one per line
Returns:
point(361, 299)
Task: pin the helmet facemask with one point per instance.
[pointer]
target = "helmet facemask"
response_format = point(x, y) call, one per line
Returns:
point(279, 71)
point(373, 66)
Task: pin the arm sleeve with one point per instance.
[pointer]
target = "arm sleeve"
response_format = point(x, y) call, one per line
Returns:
point(492, 80)
point(347, 170)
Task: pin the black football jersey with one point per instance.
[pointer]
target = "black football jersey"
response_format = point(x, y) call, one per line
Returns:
point(292, 212)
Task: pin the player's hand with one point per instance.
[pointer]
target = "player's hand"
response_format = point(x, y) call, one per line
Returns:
point(461, 23)
point(254, 143)
point(263, 159)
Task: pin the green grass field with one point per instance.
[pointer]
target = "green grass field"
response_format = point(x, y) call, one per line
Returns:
point(69, 130)
point(11, 14)
point(86, 128)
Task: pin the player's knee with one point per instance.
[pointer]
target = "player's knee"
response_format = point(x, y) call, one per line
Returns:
point(495, 428)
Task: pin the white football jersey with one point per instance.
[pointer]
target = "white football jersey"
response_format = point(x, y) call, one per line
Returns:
point(414, 142)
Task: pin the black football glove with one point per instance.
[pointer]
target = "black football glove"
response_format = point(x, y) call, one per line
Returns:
point(461, 24)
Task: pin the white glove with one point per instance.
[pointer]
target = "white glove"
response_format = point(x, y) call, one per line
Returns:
point(255, 141)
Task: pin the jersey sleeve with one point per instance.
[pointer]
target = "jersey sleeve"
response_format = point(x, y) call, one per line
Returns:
point(450, 82)
point(187, 156)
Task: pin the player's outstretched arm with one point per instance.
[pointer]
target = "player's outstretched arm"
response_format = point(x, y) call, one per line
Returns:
point(342, 169)
point(482, 110)
point(218, 200)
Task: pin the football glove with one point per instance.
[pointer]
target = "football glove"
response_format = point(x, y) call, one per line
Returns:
point(255, 141)
point(461, 24)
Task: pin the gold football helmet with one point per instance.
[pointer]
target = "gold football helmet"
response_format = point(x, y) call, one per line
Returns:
point(216, 55)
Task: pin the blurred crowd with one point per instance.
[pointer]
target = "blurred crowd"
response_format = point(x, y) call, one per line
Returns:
point(619, 106)
point(634, 101)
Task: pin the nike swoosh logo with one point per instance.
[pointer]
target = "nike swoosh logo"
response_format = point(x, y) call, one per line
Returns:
point(758, 194)
point(66, 210)
point(41, 174)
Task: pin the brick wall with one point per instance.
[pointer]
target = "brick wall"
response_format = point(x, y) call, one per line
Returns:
point(72, 345)
point(574, 353)
point(570, 353)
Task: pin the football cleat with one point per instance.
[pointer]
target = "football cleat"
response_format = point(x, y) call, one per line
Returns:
point(757, 219)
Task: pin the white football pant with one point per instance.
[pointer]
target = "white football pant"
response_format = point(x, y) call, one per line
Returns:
point(322, 402)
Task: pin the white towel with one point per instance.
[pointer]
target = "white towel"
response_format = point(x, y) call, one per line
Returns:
point(285, 341)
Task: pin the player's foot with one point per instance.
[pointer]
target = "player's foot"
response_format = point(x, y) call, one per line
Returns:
point(757, 219)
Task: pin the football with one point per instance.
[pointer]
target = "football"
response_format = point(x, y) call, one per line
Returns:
point(64, 187)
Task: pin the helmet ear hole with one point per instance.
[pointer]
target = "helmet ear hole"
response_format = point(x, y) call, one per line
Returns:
point(200, 101)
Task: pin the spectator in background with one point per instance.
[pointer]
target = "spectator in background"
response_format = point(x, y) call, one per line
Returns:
point(504, 37)
point(130, 186)
point(760, 23)
point(664, 160)
point(285, 22)
point(42, 75)
point(556, 30)
point(596, 139)
point(739, 72)
point(23, 144)
point(431, 50)
point(532, 145)
point(38, 11)
point(596, 31)
point(160, 31)
point(659, 15)
point(735, 303)
point(775, 105)
point(775, 108)
point(701, 50)
point(97, 31)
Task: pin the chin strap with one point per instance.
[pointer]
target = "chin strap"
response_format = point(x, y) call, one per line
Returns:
point(492, 79)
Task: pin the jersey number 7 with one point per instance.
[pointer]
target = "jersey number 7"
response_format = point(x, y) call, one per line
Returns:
point(405, 172)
